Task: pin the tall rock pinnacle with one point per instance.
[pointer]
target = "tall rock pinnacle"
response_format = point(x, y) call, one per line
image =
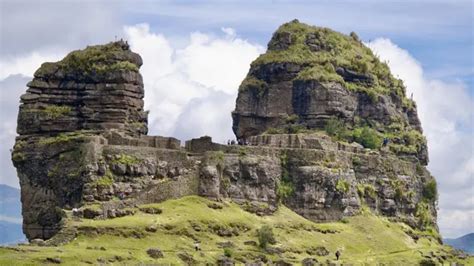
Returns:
point(310, 75)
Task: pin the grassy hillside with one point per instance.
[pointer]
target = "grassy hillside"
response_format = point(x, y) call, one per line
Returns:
point(362, 239)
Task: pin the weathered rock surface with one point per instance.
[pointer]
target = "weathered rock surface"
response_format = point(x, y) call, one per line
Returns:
point(82, 145)
point(96, 88)
point(75, 122)
point(309, 75)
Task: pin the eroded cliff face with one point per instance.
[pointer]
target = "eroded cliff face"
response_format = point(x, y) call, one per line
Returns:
point(82, 140)
point(310, 75)
point(71, 110)
point(320, 179)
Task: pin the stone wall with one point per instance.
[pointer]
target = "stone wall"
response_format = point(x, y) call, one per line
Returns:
point(203, 144)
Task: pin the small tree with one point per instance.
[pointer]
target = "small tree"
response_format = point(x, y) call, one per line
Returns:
point(336, 128)
point(228, 252)
point(430, 191)
point(285, 189)
point(265, 236)
point(368, 137)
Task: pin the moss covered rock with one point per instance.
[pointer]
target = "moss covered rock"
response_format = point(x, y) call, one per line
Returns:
point(316, 74)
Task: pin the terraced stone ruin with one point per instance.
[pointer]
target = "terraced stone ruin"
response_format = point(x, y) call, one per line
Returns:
point(329, 131)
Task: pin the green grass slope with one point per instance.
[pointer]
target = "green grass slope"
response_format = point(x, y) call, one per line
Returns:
point(363, 240)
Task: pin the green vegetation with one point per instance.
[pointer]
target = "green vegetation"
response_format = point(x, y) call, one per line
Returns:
point(252, 83)
point(18, 156)
point(322, 50)
point(366, 190)
point(62, 138)
point(106, 180)
point(356, 161)
point(406, 141)
point(94, 60)
point(126, 159)
point(342, 186)
point(399, 187)
point(285, 186)
point(243, 151)
point(430, 191)
point(324, 73)
point(285, 189)
point(272, 130)
point(423, 214)
point(367, 137)
point(294, 128)
point(265, 236)
point(228, 252)
point(337, 129)
point(217, 158)
point(56, 111)
point(365, 239)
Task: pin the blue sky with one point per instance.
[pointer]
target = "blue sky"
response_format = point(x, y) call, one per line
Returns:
point(197, 52)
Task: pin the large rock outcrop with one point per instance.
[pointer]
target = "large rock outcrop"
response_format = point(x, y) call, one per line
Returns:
point(309, 75)
point(72, 115)
point(82, 139)
point(97, 88)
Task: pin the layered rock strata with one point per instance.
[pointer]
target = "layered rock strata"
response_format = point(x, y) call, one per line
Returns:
point(82, 143)
point(310, 75)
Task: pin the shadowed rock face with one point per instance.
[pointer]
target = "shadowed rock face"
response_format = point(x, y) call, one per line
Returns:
point(310, 75)
point(82, 139)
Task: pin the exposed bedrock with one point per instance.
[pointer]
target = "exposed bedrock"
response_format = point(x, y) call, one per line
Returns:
point(83, 142)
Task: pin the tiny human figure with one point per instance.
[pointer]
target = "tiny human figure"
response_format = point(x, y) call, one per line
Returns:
point(385, 142)
point(338, 254)
point(121, 195)
point(196, 246)
point(228, 142)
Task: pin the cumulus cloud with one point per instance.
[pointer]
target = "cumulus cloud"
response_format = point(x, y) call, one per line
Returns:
point(190, 91)
point(445, 111)
point(26, 64)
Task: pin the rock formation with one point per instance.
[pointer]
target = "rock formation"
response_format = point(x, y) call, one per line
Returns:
point(314, 110)
point(311, 74)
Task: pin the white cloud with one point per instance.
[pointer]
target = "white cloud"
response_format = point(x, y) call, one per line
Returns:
point(191, 90)
point(445, 111)
point(26, 64)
